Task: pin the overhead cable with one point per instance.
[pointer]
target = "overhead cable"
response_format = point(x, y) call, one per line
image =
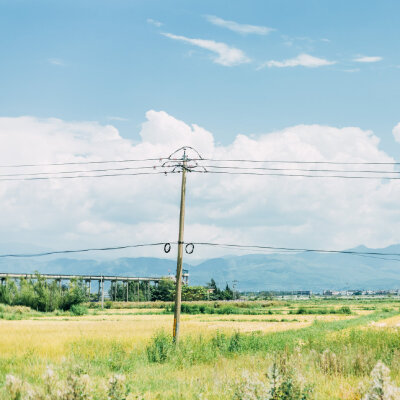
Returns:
point(48, 253)
point(298, 161)
point(234, 167)
point(80, 171)
point(39, 178)
point(129, 160)
point(292, 249)
point(82, 162)
point(299, 175)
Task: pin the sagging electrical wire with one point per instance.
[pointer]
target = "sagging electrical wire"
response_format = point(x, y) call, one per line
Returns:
point(298, 161)
point(41, 178)
point(49, 253)
point(372, 254)
point(81, 171)
point(233, 167)
point(300, 175)
point(83, 162)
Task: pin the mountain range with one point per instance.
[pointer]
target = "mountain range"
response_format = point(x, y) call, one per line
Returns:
point(278, 271)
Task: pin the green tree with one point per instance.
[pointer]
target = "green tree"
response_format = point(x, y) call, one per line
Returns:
point(164, 291)
point(227, 294)
point(42, 295)
point(194, 293)
point(216, 292)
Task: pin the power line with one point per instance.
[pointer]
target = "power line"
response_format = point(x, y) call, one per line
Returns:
point(82, 162)
point(299, 175)
point(80, 171)
point(234, 167)
point(88, 176)
point(288, 250)
point(305, 250)
point(298, 162)
point(48, 253)
point(247, 171)
point(195, 159)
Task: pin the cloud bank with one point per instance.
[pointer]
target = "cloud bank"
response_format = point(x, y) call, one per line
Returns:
point(293, 212)
point(396, 132)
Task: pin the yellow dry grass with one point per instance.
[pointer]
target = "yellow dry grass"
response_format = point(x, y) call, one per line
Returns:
point(50, 336)
point(393, 322)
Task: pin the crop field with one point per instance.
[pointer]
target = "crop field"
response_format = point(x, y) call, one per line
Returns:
point(317, 349)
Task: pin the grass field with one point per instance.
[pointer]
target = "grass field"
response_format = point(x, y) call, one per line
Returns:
point(329, 347)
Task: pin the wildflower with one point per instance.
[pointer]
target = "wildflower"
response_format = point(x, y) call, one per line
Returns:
point(117, 388)
point(381, 387)
point(31, 393)
point(14, 387)
point(79, 387)
point(329, 362)
point(251, 388)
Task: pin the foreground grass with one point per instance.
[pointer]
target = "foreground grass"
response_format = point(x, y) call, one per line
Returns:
point(334, 356)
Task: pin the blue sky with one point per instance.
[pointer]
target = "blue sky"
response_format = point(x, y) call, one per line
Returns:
point(267, 80)
point(108, 60)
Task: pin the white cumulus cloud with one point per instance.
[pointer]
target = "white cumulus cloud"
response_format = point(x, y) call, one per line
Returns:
point(154, 22)
point(225, 55)
point(269, 210)
point(239, 28)
point(302, 60)
point(367, 59)
point(396, 132)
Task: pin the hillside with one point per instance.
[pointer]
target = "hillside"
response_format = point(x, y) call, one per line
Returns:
point(253, 271)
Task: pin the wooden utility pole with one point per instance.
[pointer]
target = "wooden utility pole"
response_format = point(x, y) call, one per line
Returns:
point(178, 283)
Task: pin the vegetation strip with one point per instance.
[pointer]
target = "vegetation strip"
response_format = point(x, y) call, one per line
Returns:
point(191, 350)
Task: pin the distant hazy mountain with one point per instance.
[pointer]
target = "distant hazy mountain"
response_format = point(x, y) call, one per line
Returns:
point(311, 271)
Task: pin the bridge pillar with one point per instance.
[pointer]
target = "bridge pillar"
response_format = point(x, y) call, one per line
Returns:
point(102, 292)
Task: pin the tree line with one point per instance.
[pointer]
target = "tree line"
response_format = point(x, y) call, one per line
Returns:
point(42, 295)
point(165, 291)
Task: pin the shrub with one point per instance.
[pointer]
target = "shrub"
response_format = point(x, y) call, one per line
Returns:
point(78, 310)
point(160, 347)
point(108, 304)
point(345, 310)
point(280, 385)
point(322, 311)
point(235, 343)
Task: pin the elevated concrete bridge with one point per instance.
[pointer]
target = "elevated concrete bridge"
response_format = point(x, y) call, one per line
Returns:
point(4, 276)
